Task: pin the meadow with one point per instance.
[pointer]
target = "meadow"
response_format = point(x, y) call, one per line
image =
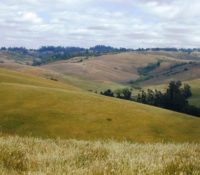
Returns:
point(48, 156)
point(44, 108)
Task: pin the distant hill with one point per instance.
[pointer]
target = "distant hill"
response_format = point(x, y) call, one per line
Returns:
point(126, 67)
point(47, 54)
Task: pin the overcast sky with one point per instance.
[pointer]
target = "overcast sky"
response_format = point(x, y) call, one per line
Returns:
point(85, 23)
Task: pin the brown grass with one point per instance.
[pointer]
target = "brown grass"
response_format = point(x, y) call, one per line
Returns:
point(115, 67)
point(36, 156)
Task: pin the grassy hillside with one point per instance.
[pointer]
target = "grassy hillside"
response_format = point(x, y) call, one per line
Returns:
point(45, 108)
point(82, 83)
point(38, 156)
point(195, 99)
point(114, 67)
point(20, 58)
point(13, 77)
point(126, 67)
point(113, 71)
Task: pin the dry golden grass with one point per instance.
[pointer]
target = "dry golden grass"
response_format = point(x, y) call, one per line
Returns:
point(37, 156)
point(114, 67)
point(82, 83)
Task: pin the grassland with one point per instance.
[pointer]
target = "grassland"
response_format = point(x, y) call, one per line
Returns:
point(114, 67)
point(45, 108)
point(123, 67)
point(195, 99)
point(46, 156)
point(95, 85)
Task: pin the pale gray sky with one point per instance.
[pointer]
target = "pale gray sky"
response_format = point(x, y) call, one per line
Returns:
point(85, 23)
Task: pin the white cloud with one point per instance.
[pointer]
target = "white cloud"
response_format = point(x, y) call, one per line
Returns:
point(121, 23)
point(29, 17)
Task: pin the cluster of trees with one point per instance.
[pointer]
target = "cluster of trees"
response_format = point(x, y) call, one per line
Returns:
point(125, 93)
point(51, 53)
point(169, 49)
point(150, 67)
point(174, 98)
point(106, 49)
point(21, 50)
point(48, 54)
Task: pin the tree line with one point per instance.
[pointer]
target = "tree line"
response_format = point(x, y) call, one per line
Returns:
point(125, 93)
point(46, 54)
point(174, 98)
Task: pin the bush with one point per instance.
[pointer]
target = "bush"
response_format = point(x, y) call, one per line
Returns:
point(108, 93)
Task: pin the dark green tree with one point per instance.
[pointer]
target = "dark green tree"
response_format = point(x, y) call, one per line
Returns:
point(126, 94)
point(142, 97)
point(108, 93)
point(187, 91)
point(150, 97)
point(118, 93)
point(158, 98)
point(174, 98)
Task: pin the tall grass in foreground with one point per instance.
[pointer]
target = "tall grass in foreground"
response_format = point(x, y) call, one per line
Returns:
point(37, 156)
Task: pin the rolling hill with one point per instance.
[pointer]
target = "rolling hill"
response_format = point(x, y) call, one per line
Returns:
point(101, 73)
point(124, 70)
point(68, 79)
point(124, 67)
point(45, 108)
point(114, 67)
point(113, 70)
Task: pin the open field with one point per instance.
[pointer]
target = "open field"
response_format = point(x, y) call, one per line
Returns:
point(45, 108)
point(45, 156)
